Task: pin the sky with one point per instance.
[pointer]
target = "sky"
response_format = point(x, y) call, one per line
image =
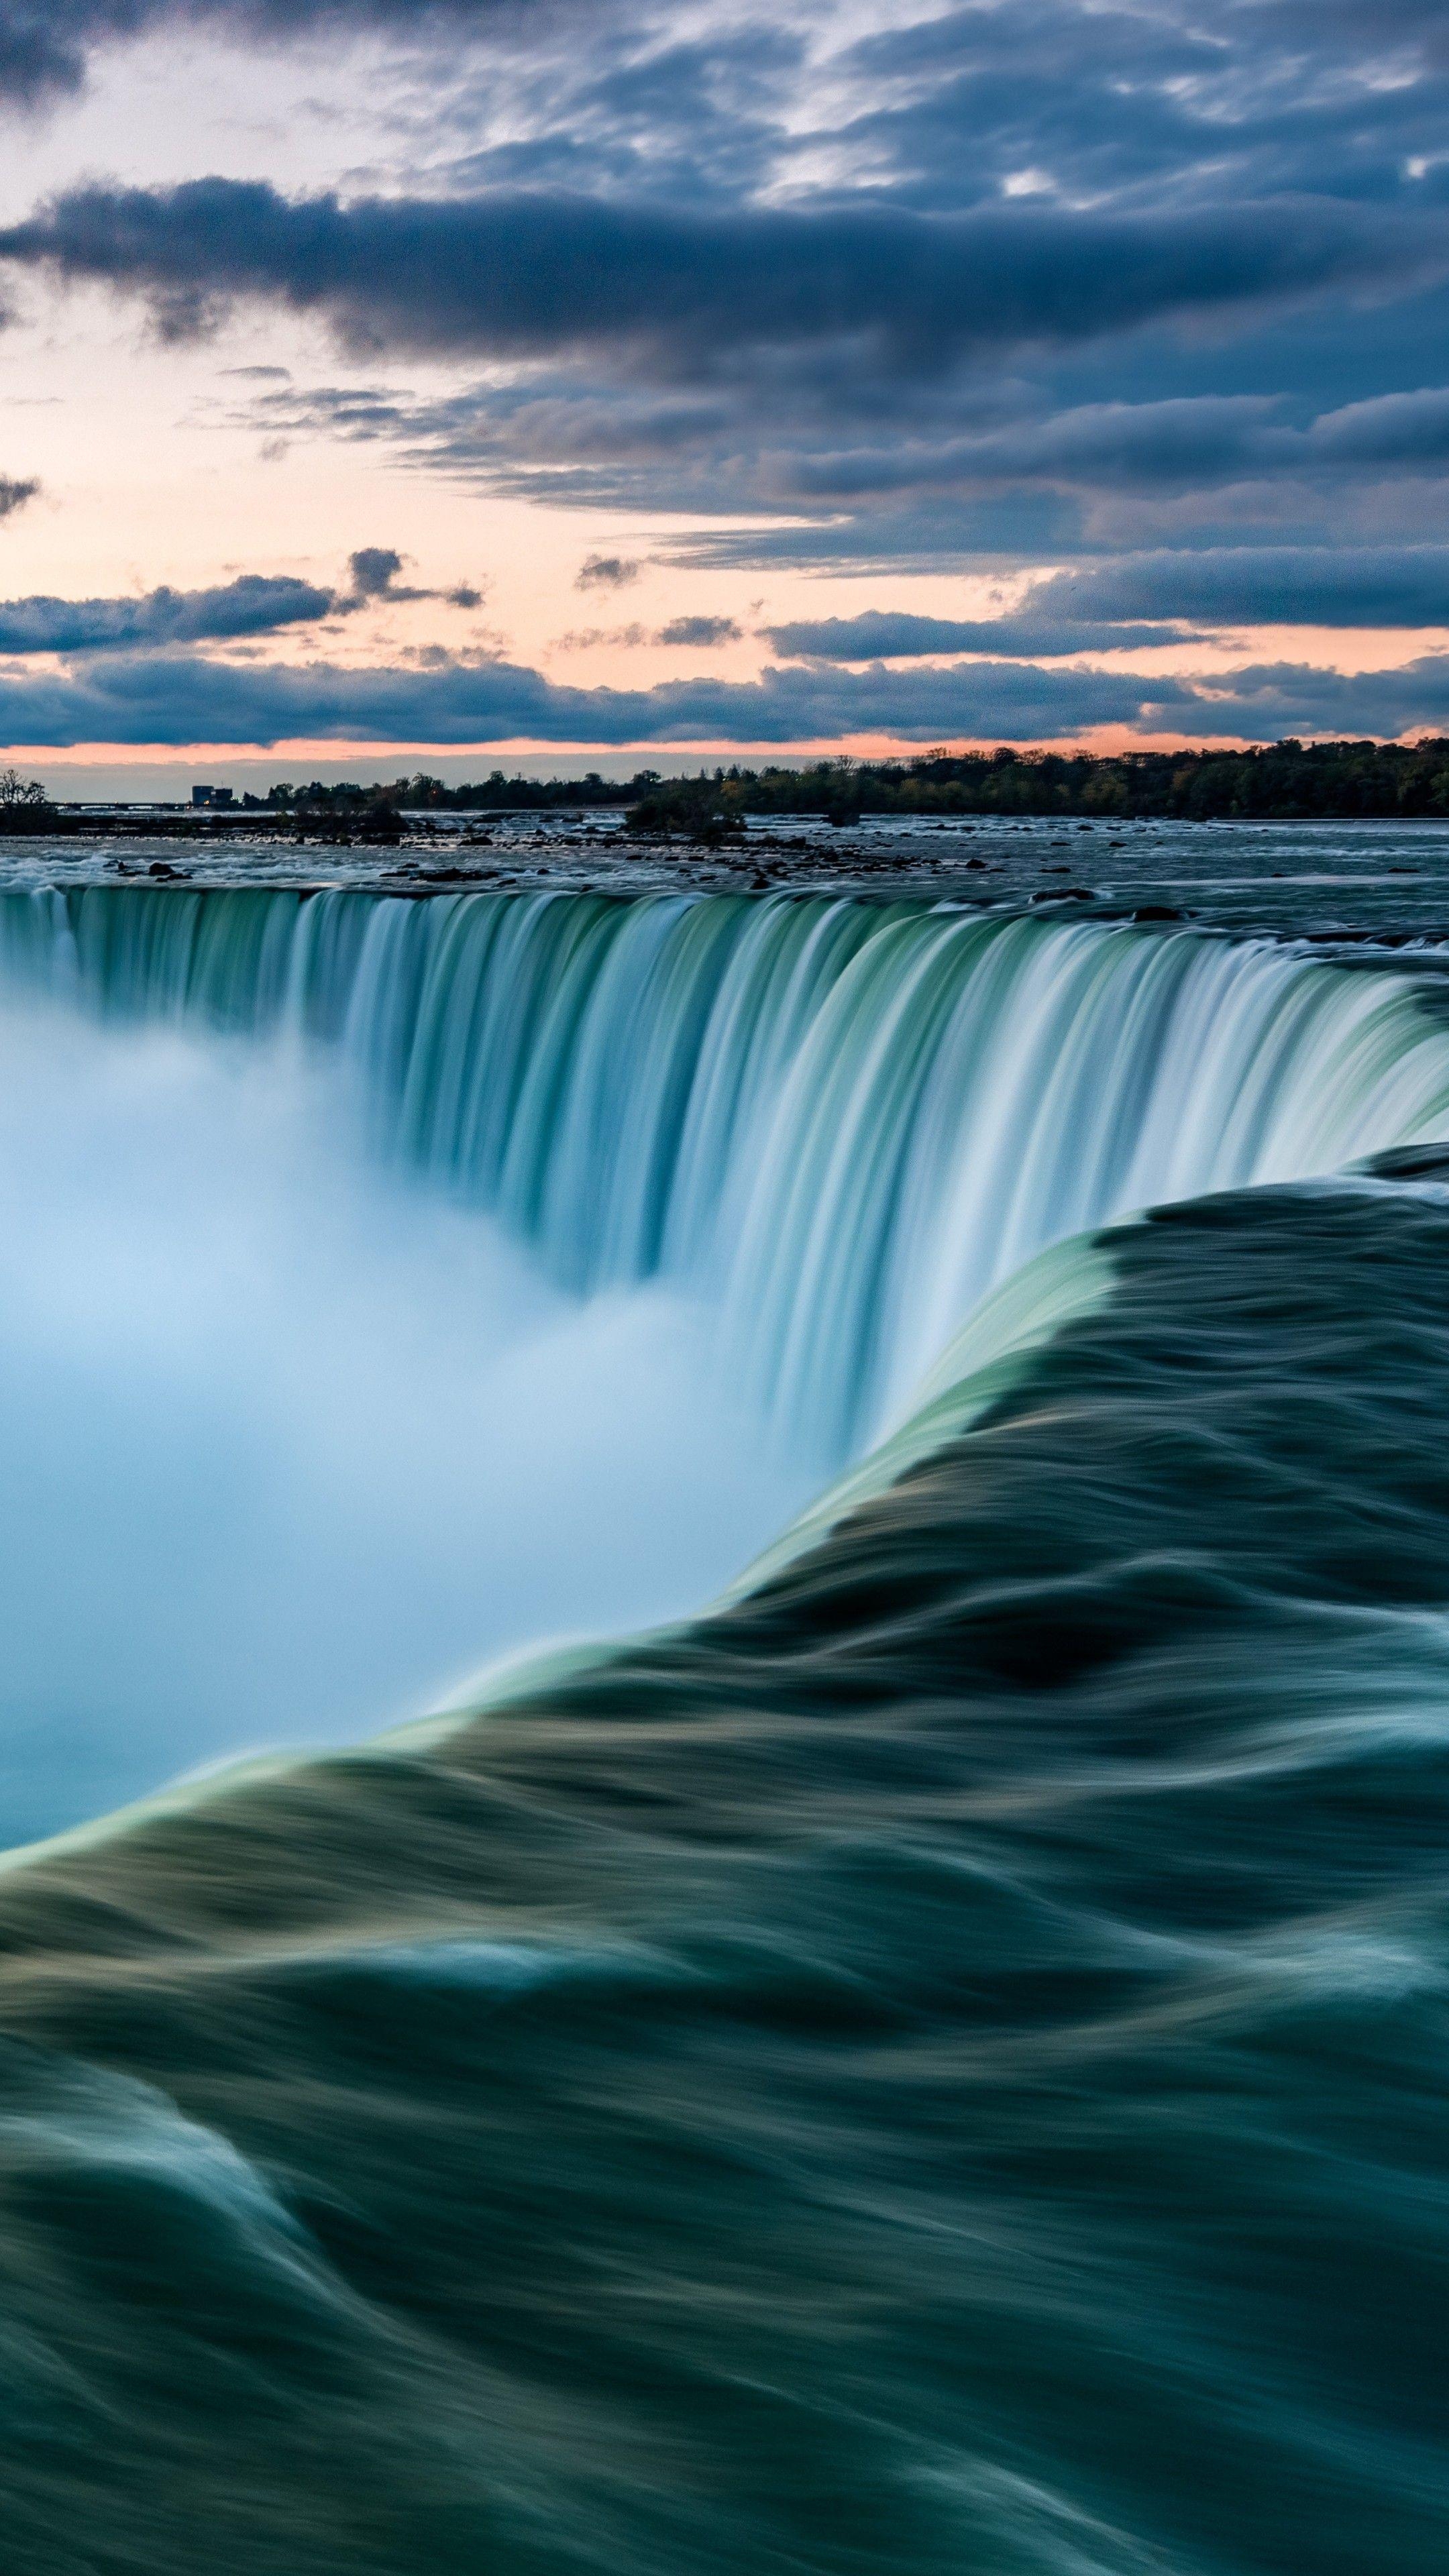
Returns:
point(560, 384)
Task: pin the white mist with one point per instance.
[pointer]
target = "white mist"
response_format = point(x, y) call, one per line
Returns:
point(288, 1445)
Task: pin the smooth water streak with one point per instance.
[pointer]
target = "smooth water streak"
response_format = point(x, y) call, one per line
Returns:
point(842, 1123)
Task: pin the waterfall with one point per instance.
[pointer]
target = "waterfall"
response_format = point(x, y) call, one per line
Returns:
point(843, 1122)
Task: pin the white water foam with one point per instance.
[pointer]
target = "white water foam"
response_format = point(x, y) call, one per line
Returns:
point(290, 1443)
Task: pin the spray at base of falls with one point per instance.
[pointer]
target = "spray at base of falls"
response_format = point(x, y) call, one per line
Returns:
point(290, 1442)
point(845, 1124)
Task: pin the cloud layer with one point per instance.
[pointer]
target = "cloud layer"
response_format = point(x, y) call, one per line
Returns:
point(255, 604)
point(251, 604)
point(682, 290)
point(1138, 305)
point(46, 45)
point(177, 698)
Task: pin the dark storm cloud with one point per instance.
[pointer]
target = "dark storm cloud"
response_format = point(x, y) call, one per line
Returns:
point(172, 698)
point(255, 604)
point(1132, 446)
point(15, 491)
point(1266, 585)
point(607, 572)
point(1152, 288)
point(179, 698)
point(45, 45)
point(1181, 443)
point(1165, 597)
point(374, 570)
point(376, 575)
point(1268, 701)
point(891, 636)
point(529, 275)
point(900, 468)
point(1403, 430)
point(686, 634)
point(1149, 97)
point(696, 633)
point(656, 110)
point(1087, 101)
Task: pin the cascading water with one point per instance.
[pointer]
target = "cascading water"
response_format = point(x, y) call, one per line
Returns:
point(936, 2064)
point(841, 1123)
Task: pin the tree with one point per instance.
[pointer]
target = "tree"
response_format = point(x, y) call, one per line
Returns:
point(15, 790)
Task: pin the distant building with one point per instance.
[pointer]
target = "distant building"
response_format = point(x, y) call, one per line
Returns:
point(212, 796)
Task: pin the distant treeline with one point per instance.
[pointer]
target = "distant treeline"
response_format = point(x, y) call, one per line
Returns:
point(1283, 779)
point(494, 794)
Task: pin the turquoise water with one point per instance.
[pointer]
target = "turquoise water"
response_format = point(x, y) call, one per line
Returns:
point(935, 2064)
point(839, 1123)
